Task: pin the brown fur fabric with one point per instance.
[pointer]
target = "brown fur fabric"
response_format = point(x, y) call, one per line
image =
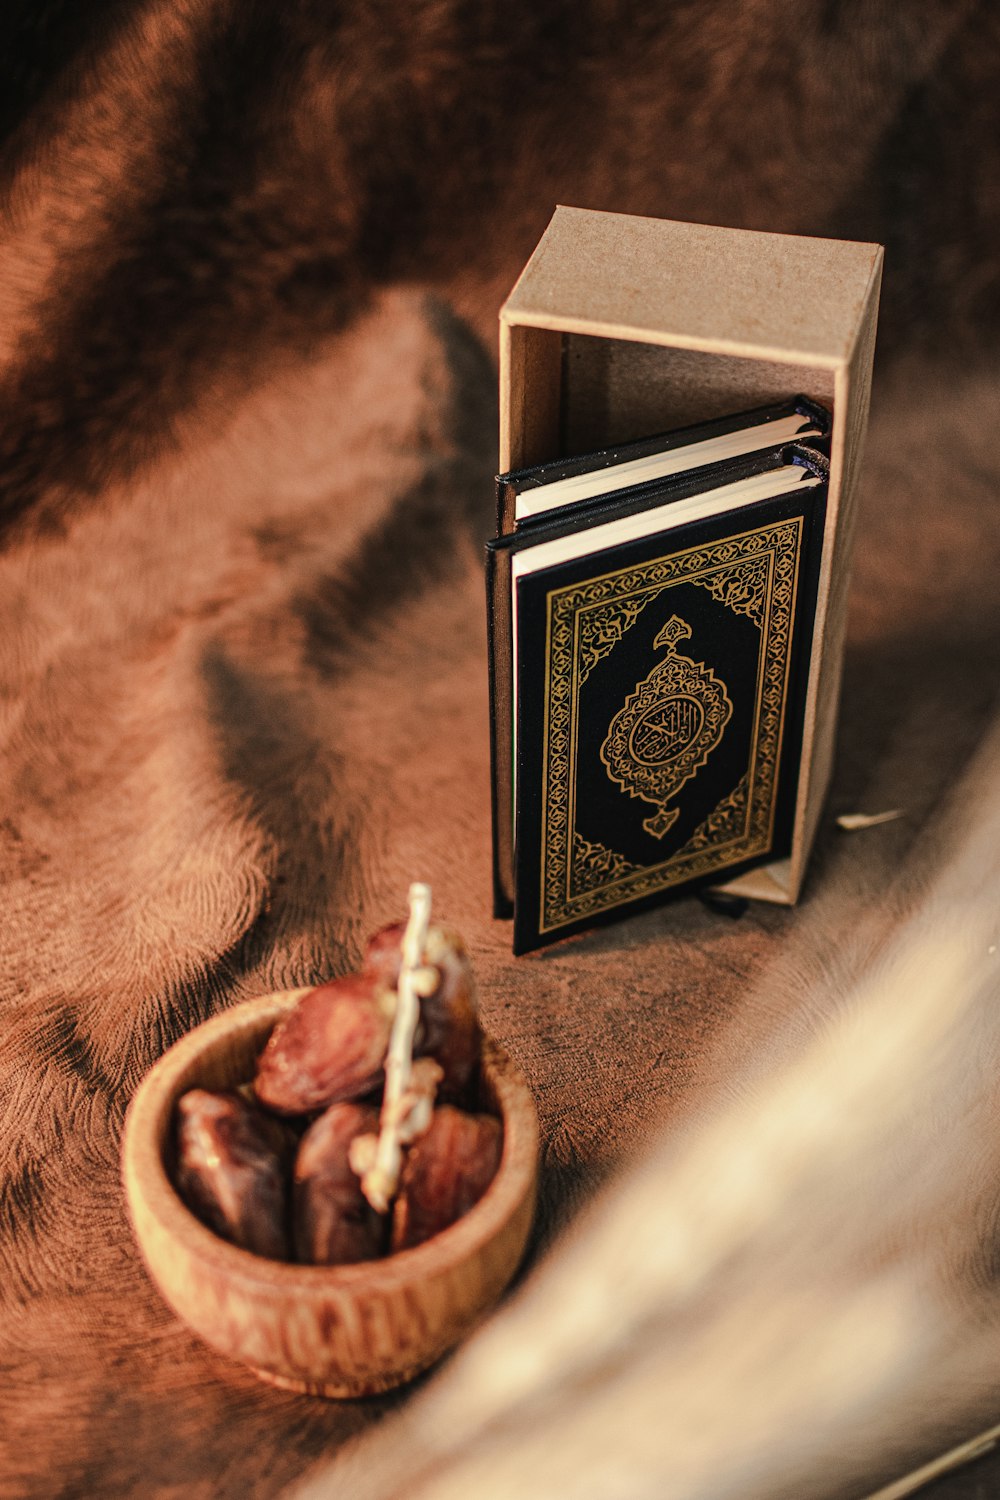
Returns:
point(248, 280)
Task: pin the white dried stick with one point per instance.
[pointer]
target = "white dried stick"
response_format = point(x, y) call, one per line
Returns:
point(381, 1179)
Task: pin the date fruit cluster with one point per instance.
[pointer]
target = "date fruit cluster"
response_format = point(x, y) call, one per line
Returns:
point(268, 1165)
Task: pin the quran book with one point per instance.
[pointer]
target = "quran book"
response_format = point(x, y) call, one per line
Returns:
point(650, 654)
point(526, 494)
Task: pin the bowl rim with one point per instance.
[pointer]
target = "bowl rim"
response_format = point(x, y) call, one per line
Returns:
point(150, 1193)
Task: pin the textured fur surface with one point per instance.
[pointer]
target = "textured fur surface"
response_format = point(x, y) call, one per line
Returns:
point(248, 280)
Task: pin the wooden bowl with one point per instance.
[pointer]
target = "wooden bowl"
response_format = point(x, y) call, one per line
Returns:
point(327, 1330)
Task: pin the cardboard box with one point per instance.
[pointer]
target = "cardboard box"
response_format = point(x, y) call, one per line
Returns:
point(620, 327)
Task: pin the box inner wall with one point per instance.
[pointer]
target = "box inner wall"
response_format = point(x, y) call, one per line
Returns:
point(581, 392)
point(617, 389)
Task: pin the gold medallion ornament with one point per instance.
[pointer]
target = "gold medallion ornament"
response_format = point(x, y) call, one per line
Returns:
point(667, 729)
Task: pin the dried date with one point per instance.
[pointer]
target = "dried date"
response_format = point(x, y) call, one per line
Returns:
point(333, 1223)
point(232, 1170)
point(330, 1048)
point(446, 1172)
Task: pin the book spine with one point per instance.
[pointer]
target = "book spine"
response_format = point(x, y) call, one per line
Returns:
point(498, 629)
point(506, 505)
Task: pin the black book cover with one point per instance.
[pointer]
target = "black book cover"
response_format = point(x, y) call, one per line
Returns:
point(660, 694)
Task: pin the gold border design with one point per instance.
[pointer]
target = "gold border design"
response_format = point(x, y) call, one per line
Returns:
point(602, 628)
point(594, 864)
point(741, 826)
point(742, 589)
